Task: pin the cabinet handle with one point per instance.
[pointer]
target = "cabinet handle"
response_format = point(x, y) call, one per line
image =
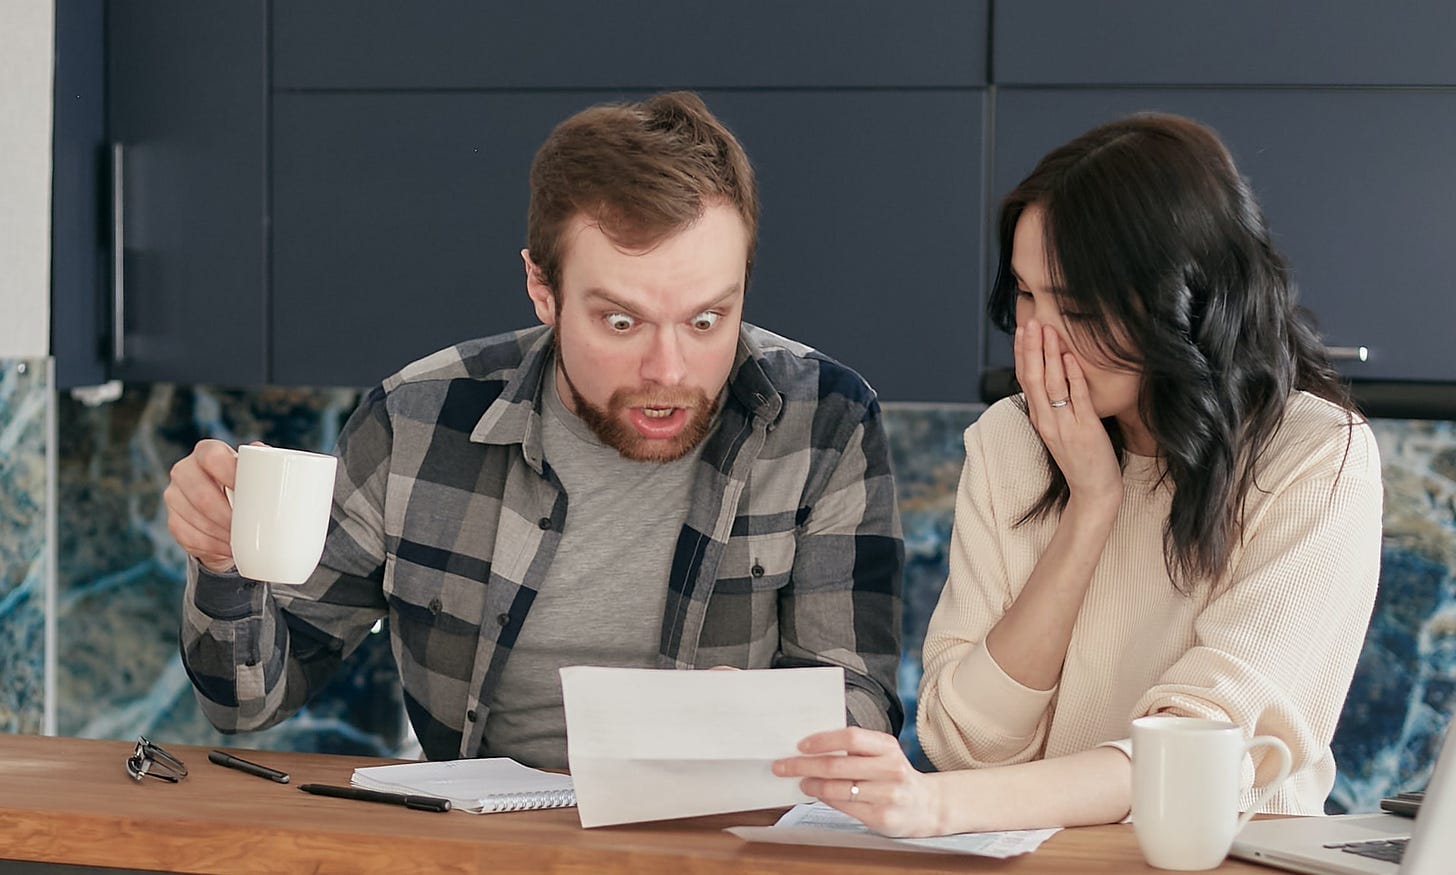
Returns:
point(1348, 353)
point(118, 257)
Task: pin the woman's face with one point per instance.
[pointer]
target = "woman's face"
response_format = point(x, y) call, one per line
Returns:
point(1114, 388)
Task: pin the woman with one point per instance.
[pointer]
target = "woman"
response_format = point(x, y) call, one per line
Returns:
point(1180, 515)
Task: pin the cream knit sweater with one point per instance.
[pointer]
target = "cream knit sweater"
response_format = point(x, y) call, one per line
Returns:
point(1271, 646)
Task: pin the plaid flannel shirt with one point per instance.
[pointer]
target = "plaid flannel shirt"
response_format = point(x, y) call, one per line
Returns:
point(446, 517)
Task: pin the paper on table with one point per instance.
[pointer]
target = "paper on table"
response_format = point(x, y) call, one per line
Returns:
point(818, 824)
point(649, 744)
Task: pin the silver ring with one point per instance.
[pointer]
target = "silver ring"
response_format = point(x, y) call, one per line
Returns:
point(1062, 403)
point(853, 791)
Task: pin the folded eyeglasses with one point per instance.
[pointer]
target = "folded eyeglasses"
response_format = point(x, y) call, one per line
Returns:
point(150, 761)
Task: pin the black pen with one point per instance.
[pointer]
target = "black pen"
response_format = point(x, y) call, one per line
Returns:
point(232, 762)
point(419, 803)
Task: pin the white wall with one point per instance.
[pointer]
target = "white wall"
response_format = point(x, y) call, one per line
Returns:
point(27, 46)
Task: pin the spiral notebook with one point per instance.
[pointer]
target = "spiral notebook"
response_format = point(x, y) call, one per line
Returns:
point(479, 786)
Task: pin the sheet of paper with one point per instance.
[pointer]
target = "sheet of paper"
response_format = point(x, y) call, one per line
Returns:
point(646, 744)
point(818, 824)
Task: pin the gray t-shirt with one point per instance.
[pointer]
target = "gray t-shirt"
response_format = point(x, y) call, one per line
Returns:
point(603, 597)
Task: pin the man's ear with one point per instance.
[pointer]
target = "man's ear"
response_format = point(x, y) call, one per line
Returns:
point(542, 298)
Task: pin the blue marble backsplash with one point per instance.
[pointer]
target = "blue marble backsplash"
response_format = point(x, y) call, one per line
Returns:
point(121, 574)
point(25, 400)
point(120, 579)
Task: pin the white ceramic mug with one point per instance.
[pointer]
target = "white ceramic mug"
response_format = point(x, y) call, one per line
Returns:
point(281, 504)
point(1185, 788)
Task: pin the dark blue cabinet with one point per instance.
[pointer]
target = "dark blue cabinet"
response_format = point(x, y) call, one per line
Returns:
point(316, 192)
point(399, 218)
point(1355, 184)
point(186, 113)
point(633, 44)
point(1229, 42)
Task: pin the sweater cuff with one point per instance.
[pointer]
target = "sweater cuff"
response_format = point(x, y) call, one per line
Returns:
point(998, 701)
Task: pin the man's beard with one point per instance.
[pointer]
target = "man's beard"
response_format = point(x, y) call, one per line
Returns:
point(611, 428)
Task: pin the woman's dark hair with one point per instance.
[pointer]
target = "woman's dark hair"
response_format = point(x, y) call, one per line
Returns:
point(1156, 239)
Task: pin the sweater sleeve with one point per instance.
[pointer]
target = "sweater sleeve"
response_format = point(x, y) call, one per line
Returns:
point(1275, 648)
point(971, 713)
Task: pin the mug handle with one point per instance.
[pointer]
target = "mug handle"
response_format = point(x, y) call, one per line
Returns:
point(1285, 761)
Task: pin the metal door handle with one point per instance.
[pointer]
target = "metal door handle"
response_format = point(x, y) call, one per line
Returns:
point(118, 256)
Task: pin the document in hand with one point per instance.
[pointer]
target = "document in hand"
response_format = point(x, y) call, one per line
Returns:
point(647, 744)
point(479, 786)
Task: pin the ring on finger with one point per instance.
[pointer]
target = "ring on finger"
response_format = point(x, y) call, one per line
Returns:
point(853, 791)
point(1060, 402)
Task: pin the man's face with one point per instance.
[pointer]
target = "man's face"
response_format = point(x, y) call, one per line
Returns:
point(645, 339)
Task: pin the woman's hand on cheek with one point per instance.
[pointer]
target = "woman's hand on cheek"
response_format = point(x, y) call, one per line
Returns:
point(865, 774)
point(1060, 406)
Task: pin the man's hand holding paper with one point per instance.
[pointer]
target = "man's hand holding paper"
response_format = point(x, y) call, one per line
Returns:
point(646, 744)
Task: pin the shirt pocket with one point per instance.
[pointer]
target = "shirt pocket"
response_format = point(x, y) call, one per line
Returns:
point(429, 605)
point(741, 626)
point(435, 626)
point(757, 563)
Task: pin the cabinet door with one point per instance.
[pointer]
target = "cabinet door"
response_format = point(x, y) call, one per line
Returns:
point(1230, 42)
point(187, 104)
point(399, 217)
point(1355, 184)
point(565, 44)
point(79, 252)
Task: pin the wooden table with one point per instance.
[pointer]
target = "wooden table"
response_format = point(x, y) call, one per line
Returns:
point(71, 801)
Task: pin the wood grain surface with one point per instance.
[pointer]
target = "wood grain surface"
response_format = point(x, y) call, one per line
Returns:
point(71, 801)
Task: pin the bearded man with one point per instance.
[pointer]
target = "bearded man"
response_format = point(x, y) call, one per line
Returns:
point(643, 480)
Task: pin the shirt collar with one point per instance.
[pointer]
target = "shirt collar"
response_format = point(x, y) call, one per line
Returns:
point(515, 415)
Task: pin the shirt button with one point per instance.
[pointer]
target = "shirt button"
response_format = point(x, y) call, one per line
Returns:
point(435, 606)
point(757, 570)
point(503, 619)
point(470, 715)
point(545, 523)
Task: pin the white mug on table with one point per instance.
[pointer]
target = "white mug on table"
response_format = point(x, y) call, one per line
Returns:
point(281, 501)
point(1185, 788)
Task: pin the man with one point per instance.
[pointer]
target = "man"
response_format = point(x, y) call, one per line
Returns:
point(643, 480)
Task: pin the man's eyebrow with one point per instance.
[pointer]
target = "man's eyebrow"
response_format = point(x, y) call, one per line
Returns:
point(727, 293)
point(604, 295)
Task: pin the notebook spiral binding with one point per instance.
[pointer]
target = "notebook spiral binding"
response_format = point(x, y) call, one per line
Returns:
point(532, 801)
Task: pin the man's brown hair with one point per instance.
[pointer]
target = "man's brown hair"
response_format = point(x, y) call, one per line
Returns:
point(642, 171)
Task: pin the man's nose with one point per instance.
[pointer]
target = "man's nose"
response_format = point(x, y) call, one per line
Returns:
point(664, 363)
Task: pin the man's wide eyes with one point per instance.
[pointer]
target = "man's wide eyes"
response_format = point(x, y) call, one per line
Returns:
point(621, 322)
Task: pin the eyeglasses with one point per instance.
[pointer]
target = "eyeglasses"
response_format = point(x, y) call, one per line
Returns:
point(150, 761)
